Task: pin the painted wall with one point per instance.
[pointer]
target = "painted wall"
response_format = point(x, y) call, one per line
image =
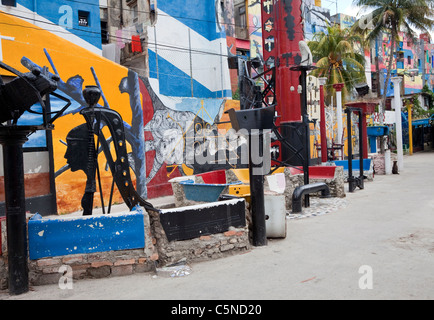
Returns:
point(316, 19)
point(408, 59)
point(114, 232)
point(163, 131)
point(77, 67)
point(255, 29)
point(62, 18)
point(188, 51)
point(344, 20)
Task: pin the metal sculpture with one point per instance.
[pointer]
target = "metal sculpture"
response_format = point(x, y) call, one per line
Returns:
point(96, 119)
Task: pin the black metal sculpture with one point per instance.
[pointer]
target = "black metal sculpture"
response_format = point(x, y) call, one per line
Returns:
point(96, 119)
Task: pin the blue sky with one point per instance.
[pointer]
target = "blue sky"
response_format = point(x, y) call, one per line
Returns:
point(344, 6)
point(347, 7)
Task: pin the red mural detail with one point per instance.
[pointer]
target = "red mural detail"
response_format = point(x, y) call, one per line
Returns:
point(159, 185)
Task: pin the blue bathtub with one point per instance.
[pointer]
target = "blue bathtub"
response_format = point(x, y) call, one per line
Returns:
point(204, 192)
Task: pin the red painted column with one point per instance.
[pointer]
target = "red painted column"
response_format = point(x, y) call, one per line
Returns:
point(323, 122)
point(282, 30)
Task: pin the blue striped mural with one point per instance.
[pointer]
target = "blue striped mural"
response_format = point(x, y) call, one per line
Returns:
point(188, 50)
point(199, 15)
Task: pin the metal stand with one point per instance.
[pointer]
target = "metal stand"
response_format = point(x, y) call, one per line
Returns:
point(355, 182)
point(18, 96)
point(303, 97)
point(257, 197)
point(12, 139)
point(255, 120)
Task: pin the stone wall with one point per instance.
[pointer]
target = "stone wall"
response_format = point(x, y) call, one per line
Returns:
point(95, 265)
point(206, 247)
point(158, 253)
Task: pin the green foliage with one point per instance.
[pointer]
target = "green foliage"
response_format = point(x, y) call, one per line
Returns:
point(236, 95)
point(417, 112)
point(337, 58)
point(430, 94)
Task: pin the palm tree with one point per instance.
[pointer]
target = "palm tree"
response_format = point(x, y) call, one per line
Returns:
point(393, 17)
point(338, 59)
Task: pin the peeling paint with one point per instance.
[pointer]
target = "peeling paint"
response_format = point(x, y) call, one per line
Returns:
point(50, 237)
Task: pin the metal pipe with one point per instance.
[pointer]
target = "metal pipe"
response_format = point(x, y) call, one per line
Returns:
point(305, 116)
point(259, 234)
point(300, 191)
point(352, 181)
point(12, 140)
point(362, 123)
point(350, 152)
point(257, 198)
point(410, 130)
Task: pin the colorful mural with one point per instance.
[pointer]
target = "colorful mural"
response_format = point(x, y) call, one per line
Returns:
point(77, 68)
point(315, 18)
point(188, 51)
point(77, 22)
point(405, 63)
point(165, 133)
point(255, 29)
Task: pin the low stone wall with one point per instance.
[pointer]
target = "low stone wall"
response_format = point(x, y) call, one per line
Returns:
point(206, 247)
point(84, 266)
point(158, 252)
point(335, 184)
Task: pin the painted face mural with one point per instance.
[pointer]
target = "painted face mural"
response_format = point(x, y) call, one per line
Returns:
point(77, 148)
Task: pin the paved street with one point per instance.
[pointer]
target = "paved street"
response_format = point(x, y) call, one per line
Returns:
point(386, 231)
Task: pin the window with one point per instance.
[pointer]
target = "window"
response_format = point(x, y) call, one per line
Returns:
point(83, 18)
point(409, 60)
point(104, 33)
point(135, 13)
point(401, 55)
point(11, 3)
point(243, 21)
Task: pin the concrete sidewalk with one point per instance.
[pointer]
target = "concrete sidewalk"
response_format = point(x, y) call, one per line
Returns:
point(386, 231)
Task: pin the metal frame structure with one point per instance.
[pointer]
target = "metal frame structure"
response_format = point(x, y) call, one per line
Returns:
point(355, 182)
point(16, 97)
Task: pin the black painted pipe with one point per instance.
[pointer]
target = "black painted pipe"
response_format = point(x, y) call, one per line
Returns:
point(12, 139)
point(300, 191)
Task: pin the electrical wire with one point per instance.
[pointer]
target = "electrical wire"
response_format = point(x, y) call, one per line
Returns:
point(159, 46)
